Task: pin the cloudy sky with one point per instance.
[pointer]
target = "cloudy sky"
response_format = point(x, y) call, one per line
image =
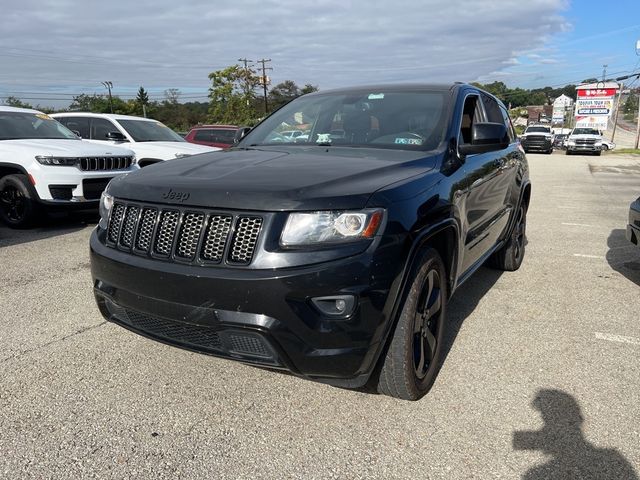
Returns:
point(52, 49)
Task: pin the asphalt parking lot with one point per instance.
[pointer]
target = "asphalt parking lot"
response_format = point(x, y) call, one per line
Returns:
point(542, 375)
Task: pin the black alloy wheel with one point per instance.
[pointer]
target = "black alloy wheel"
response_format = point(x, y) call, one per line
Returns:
point(519, 234)
point(18, 201)
point(13, 204)
point(427, 324)
point(414, 354)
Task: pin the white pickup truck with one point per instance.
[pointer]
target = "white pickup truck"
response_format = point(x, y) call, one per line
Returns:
point(43, 165)
point(584, 140)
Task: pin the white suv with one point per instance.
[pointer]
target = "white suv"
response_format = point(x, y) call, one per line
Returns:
point(151, 140)
point(44, 165)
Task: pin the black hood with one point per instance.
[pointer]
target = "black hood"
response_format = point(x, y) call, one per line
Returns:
point(294, 178)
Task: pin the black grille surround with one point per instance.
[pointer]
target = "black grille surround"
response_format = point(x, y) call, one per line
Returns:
point(184, 235)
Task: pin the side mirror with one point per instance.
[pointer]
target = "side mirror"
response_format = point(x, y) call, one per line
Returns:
point(240, 134)
point(116, 137)
point(486, 137)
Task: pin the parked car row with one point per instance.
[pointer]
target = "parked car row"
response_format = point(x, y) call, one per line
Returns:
point(65, 161)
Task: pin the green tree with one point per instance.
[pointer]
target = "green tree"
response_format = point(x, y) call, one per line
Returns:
point(232, 96)
point(100, 104)
point(308, 88)
point(16, 102)
point(142, 99)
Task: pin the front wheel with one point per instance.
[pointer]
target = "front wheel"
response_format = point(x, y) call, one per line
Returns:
point(413, 358)
point(18, 201)
point(510, 256)
point(605, 147)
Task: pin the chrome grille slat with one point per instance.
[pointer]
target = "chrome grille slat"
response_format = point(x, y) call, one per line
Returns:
point(129, 226)
point(216, 237)
point(245, 239)
point(189, 235)
point(145, 230)
point(113, 230)
point(166, 232)
point(182, 235)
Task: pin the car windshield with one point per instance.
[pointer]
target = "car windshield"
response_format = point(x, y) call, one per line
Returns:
point(396, 119)
point(150, 131)
point(538, 129)
point(585, 131)
point(25, 125)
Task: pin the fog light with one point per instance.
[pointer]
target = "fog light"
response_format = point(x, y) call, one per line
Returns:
point(335, 305)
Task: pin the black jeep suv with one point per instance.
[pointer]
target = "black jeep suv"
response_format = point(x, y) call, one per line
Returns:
point(332, 254)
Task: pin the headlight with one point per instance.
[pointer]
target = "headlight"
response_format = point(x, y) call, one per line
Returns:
point(571, 142)
point(56, 161)
point(330, 227)
point(106, 204)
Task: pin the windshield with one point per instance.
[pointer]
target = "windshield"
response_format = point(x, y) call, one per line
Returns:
point(25, 125)
point(149, 131)
point(538, 129)
point(407, 120)
point(585, 131)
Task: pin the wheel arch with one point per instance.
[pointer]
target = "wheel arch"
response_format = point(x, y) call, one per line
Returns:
point(11, 169)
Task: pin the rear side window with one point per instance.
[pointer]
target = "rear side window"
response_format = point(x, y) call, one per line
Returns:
point(100, 127)
point(492, 109)
point(76, 124)
point(507, 121)
point(202, 135)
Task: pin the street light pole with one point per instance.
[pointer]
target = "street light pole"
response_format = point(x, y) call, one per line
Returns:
point(109, 85)
point(615, 117)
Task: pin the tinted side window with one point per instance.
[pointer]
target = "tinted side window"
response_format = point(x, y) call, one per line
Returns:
point(202, 136)
point(77, 124)
point(492, 108)
point(100, 127)
point(223, 135)
point(507, 121)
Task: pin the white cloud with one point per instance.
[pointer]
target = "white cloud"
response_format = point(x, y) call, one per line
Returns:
point(162, 43)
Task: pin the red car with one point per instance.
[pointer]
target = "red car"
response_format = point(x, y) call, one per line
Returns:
point(212, 135)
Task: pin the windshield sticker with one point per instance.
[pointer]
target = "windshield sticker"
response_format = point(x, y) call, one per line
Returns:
point(324, 138)
point(376, 96)
point(42, 116)
point(408, 141)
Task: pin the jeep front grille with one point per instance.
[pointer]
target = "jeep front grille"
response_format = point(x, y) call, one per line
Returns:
point(94, 164)
point(184, 235)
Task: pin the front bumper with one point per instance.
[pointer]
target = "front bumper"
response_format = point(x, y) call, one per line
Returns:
point(583, 148)
point(261, 317)
point(537, 145)
point(633, 228)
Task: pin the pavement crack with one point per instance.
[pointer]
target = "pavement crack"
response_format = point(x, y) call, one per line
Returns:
point(52, 342)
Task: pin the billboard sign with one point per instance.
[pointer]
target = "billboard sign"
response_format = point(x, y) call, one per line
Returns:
point(598, 122)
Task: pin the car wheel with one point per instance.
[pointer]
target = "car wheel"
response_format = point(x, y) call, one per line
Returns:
point(567, 152)
point(598, 153)
point(605, 147)
point(18, 205)
point(510, 256)
point(550, 151)
point(414, 354)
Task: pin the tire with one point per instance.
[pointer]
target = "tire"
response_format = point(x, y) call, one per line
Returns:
point(598, 153)
point(550, 151)
point(510, 256)
point(567, 152)
point(415, 350)
point(605, 147)
point(18, 202)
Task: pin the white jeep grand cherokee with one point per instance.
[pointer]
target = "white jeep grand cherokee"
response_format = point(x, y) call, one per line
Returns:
point(44, 165)
point(151, 140)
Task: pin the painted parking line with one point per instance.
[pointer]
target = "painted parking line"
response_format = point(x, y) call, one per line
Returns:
point(577, 224)
point(584, 255)
point(610, 337)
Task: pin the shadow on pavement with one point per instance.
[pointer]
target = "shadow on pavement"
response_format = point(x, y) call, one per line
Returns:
point(51, 226)
point(465, 300)
point(623, 256)
point(561, 437)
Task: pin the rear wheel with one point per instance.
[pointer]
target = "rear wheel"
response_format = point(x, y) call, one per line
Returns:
point(18, 201)
point(413, 358)
point(510, 256)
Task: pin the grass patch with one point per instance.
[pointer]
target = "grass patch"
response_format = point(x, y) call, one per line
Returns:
point(626, 150)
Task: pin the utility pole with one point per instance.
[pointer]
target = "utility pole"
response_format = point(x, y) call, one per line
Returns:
point(637, 75)
point(109, 85)
point(246, 62)
point(615, 117)
point(264, 82)
point(604, 72)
